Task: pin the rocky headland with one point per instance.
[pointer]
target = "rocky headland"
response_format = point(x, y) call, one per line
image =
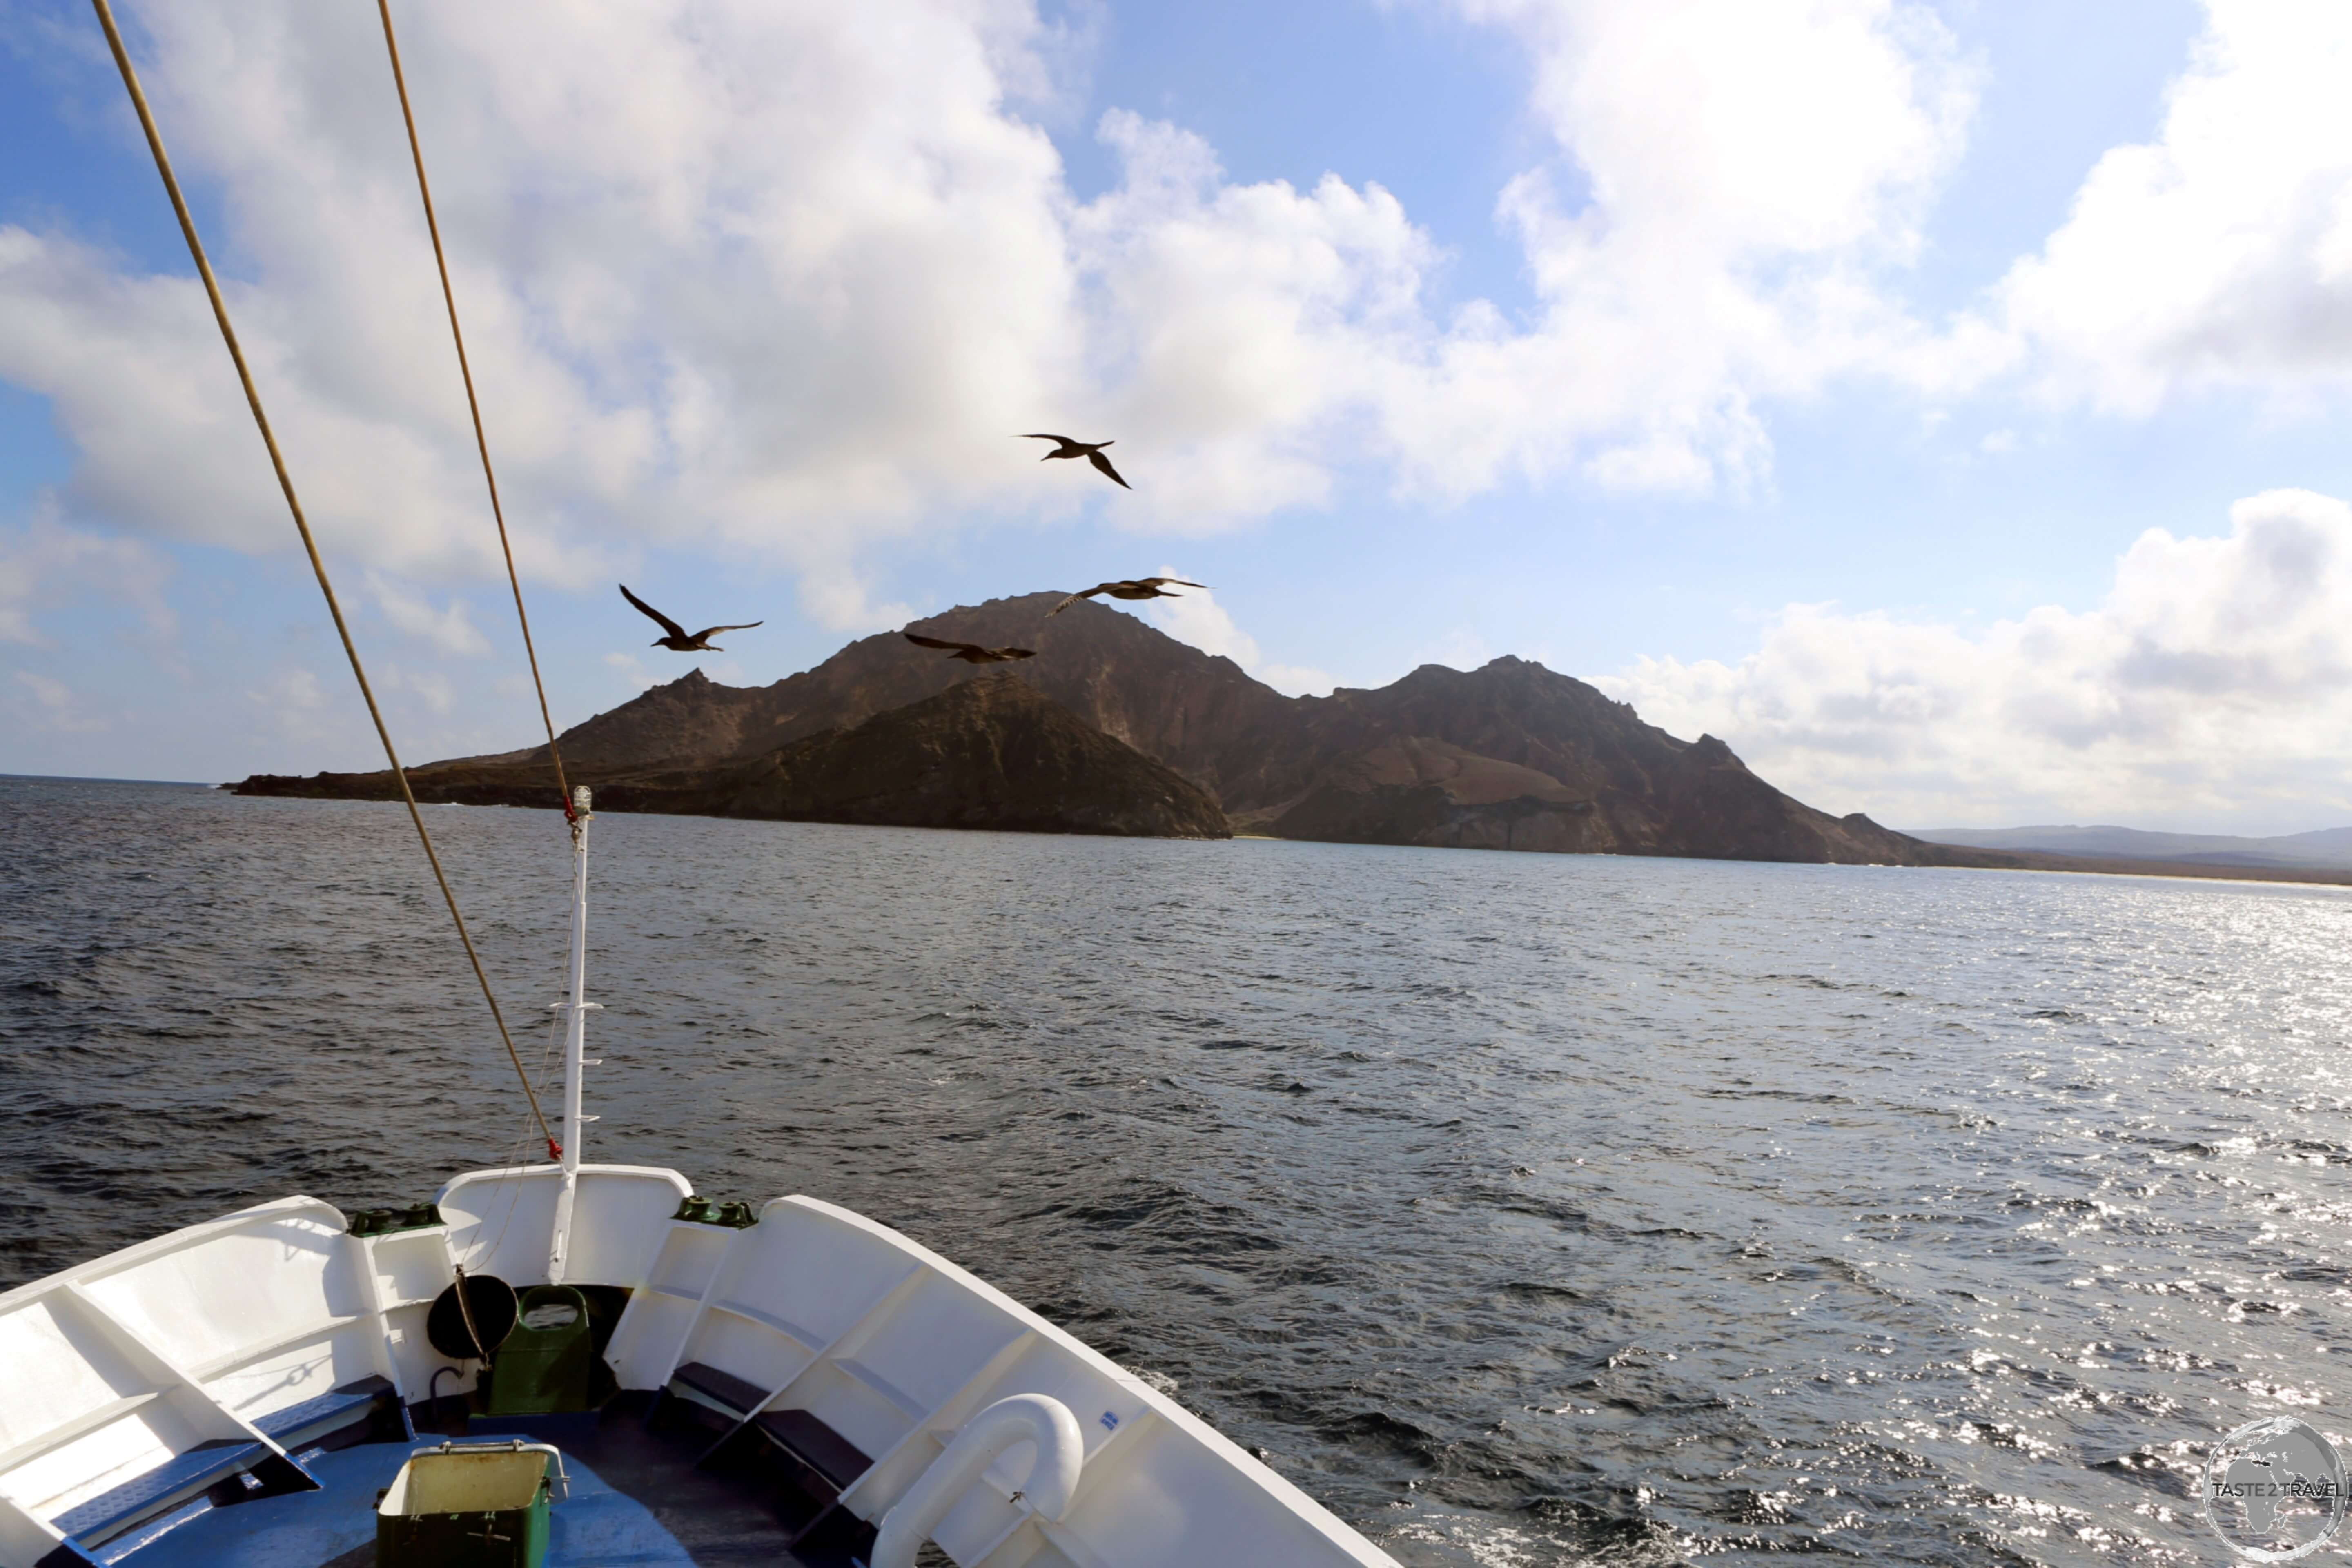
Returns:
point(994, 752)
point(1116, 728)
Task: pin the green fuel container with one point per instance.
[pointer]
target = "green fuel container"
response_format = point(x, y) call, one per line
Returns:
point(542, 1367)
point(466, 1507)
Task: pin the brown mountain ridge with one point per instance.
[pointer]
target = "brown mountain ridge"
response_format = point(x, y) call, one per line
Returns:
point(992, 753)
point(1508, 756)
point(1512, 755)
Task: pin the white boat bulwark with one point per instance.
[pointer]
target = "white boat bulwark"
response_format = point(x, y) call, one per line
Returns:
point(145, 1390)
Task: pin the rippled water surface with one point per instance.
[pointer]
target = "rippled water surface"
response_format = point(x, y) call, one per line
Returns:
point(1525, 1209)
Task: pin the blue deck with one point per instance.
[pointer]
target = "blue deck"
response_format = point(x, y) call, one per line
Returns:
point(594, 1527)
point(183, 1475)
point(677, 1518)
point(297, 1426)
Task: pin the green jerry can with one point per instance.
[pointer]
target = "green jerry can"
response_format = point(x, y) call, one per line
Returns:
point(542, 1367)
point(468, 1505)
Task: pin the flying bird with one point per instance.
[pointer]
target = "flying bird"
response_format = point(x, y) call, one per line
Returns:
point(1091, 452)
point(677, 641)
point(971, 652)
point(1129, 588)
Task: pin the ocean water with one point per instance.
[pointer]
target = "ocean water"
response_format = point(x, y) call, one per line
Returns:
point(1523, 1209)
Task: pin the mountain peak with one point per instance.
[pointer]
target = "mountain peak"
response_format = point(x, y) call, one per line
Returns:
point(988, 752)
point(1509, 755)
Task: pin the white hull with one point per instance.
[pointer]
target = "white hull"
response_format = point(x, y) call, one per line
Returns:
point(120, 1368)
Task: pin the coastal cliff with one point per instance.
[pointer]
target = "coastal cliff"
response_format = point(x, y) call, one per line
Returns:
point(992, 753)
point(1508, 756)
point(989, 753)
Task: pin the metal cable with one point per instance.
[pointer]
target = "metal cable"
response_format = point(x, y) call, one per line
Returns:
point(302, 527)
point(473, 403)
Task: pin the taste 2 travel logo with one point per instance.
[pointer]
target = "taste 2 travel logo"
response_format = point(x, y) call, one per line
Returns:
point(2274, 1489)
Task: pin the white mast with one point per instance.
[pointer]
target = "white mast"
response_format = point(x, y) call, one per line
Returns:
point(575, 1037)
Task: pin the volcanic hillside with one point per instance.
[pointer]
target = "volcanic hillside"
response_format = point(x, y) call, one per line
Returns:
point(992, 753)
point(1511, 755)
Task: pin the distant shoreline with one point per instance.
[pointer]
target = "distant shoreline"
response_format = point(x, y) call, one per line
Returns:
point(2099, 865)
point(1963, 858)
point(2088, 868)
point(92, 778)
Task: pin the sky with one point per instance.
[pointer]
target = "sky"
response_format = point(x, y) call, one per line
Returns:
point(1943, 403)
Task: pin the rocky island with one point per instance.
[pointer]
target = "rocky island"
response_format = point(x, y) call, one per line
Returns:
point(1116, 728)
point(991, 752)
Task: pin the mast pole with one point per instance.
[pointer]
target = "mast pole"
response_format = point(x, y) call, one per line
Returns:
point(575, 1039)
point(576, 1036)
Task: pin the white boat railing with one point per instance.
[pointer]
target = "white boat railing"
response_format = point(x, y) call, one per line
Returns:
point(1043, 1425)
point(115, 1370)
point(126, 1365)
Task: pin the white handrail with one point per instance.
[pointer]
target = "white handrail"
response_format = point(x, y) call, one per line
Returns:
point(576, 1034)
point(1023, 1419)
point(575, 1037)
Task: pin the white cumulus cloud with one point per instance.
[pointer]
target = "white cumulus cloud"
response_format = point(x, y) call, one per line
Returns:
point(1751, 172)
point(2214, 683)
point(2220, 253)
point(780, 281)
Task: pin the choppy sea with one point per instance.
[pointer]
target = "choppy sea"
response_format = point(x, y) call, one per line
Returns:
point(1523, 1209)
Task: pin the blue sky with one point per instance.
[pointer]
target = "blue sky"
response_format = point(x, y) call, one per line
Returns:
point(1811, 374)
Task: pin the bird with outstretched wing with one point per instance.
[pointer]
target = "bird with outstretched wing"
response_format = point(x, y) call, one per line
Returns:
point(1129, 588)
point(677, 641)
point(1092, 451)
point(971, 652)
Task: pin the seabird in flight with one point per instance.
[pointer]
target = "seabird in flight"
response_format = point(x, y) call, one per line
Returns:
point(677, 641)
point(1128, 588)
point(1091, 452)
point(971, 652)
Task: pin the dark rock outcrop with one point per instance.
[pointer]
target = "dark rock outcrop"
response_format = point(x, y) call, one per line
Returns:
point(1198, 713)
point(1516, 756)
point(1510, 756)
point(1422, 791)
point(992, 753)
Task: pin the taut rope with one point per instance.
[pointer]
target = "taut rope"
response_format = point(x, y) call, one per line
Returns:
point(473, 403)
point(302, 527)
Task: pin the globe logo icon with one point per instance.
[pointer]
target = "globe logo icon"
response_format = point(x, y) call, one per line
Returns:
point(2274, 1489)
